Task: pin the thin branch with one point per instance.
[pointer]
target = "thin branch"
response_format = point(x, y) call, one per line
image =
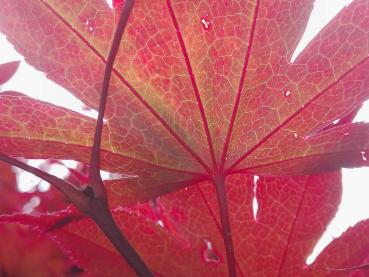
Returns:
point(75, 196)
point(99, 210)
point(95, 177)
point(103, 218)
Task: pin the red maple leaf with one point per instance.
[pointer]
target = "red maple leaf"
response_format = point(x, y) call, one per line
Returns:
point(202, 91)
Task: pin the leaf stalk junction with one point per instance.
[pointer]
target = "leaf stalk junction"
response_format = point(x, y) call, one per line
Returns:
point(93, 200)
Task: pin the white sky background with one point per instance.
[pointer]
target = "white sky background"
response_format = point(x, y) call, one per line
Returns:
point(354, 206)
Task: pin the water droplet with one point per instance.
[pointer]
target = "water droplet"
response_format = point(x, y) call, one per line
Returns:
point(255, 204)
point(89, 23)
point(295, 135)
point(363, 157)
point(346, 134)
point(205, 22)
point(160, 223)
point(209, 254)
point(336, 121)
point(287, 93)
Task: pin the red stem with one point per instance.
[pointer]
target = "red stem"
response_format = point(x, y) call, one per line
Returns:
point(75, 196)
point(94, 174)
point(219, 182)
point(102, 216)
point(95, 208)
point(98, 209)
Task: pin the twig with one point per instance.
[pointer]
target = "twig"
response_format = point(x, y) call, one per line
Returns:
point(94, 173)
point(100, 211)
point(97, 209)
point(74, 195)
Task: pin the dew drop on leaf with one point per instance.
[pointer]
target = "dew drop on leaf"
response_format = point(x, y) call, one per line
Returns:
point(295, 135)
point(209, 254)
point(205, 23)
point(287, 93)
point(255, 203)
point(160, 223)
point(89, 23)
point(363, 157)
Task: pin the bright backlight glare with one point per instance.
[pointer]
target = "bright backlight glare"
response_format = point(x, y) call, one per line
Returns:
point(110, 3)
point(324, 11)
point(28, 182)
point(353, 208)
point(34, 83)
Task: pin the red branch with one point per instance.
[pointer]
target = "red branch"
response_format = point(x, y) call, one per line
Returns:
point(95, 178)
point(100, 211)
